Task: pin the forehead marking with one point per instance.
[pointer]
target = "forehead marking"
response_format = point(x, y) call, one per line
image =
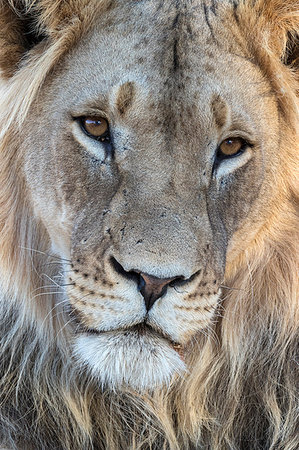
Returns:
point(235, 6)
point(175, 51)
point(125, 97)
point(213, 7)
point(220, 111)
point(206, 14)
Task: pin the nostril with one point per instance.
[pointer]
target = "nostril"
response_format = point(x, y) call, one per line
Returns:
point(131, 275)
point(177, 281)
point(141, 284)
point(181, 280)
point(117, 267)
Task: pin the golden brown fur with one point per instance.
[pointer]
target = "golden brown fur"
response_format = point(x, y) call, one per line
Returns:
point(241, 390)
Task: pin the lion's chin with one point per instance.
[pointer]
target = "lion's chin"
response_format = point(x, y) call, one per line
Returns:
point(127, 359)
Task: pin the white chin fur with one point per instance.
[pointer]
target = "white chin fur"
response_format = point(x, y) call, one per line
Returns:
point(129, 359)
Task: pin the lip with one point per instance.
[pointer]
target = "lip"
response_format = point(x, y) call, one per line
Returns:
point(141, 329)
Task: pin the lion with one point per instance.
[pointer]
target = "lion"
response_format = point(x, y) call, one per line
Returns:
point(148, 224)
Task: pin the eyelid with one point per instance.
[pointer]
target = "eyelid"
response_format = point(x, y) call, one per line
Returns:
point(88, 144)
point(228, 165)
point(237, 134)
point(93, 111)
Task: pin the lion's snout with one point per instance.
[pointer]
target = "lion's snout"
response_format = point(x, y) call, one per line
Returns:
point(109, 295)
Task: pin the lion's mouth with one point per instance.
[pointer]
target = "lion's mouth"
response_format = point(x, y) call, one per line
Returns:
point(141, 329)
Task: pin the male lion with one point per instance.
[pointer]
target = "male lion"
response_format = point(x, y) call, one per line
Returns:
point(149, 248)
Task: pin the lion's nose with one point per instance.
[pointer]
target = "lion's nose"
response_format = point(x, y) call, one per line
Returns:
point(152, 288)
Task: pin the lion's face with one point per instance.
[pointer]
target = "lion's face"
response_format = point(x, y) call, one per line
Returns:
point(149, 214)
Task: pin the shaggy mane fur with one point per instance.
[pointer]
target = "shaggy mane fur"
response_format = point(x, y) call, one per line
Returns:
point(243, 376)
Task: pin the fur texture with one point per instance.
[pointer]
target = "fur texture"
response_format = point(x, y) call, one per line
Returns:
point(239, 390)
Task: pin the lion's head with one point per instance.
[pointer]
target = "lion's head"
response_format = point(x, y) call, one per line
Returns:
point(148, 224)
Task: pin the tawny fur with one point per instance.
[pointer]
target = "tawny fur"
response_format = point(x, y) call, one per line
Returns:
point(254, 353)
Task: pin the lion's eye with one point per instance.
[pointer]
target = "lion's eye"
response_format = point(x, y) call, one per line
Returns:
point(231, 147)
point(96, 127)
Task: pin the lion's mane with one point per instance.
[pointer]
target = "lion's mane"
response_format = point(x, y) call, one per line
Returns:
point(243, 375)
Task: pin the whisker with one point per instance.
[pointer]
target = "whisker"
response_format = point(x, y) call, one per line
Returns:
point(64, 326)
point(49, 278)
point(52, 286)
point(47, 293)
point(231, 288)
point(212, 333)
point(52, 263)
point(60, 275)
point(54, 307)
point(59, 258)
point(49, 286)
point(51, 292)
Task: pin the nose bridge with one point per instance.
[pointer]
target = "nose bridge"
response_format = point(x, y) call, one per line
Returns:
point(152, 185)
point(163, 172)
point(156, 239)
point(159, 219)
point(154, 228)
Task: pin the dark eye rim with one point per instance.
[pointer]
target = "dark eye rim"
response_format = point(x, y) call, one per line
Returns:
point(105, 138)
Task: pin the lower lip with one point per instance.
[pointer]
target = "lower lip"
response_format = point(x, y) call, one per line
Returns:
point(176, 347)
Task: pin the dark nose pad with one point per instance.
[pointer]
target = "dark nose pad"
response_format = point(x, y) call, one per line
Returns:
point(152, 288)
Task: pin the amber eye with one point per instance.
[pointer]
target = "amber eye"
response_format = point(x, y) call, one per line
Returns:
point(231, 147)
point(96, 127)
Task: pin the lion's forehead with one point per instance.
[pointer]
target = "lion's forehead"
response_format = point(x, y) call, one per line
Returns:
point(174, 55)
